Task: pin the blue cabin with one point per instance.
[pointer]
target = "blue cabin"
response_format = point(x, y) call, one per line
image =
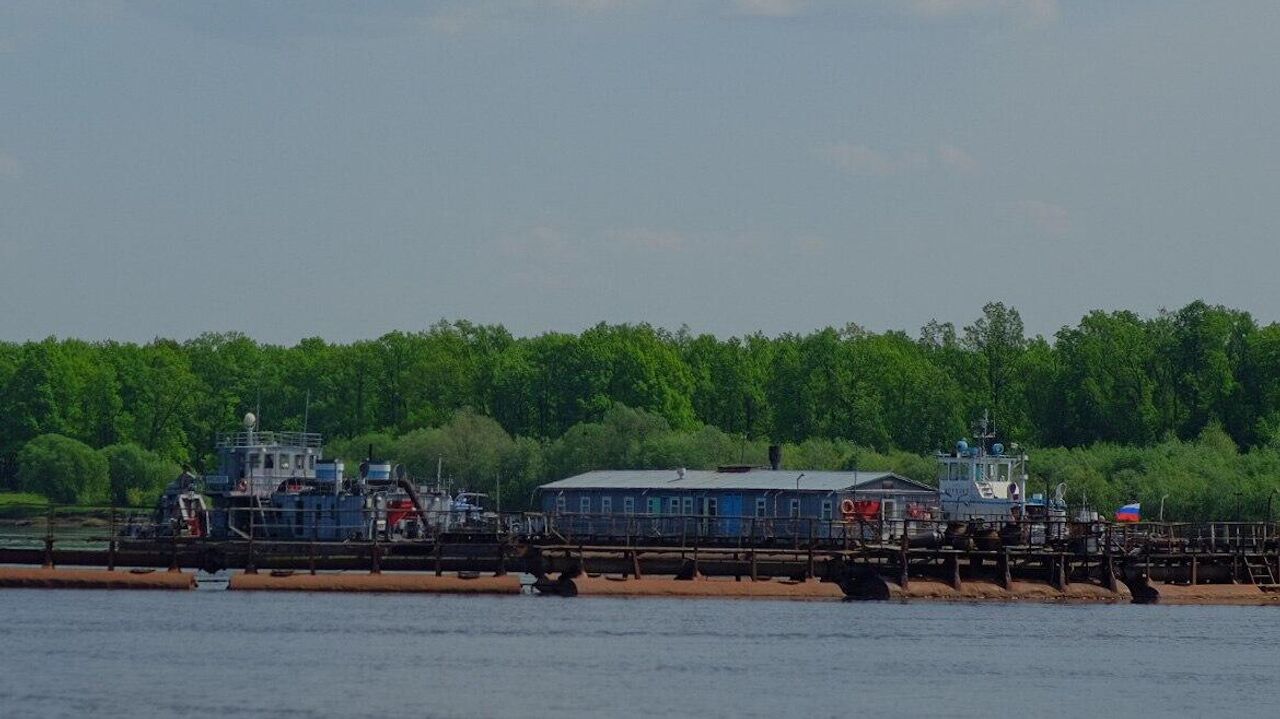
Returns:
point(731, 503)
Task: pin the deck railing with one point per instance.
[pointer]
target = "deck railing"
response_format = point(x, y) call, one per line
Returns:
point(38, 524)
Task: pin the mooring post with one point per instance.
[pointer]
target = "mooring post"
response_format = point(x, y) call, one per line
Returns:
point(173, 552)
point(635, 564)
point(1276, 574)
point(1006, 577)
point(902, 559)
point(502, 561)
point(111, 542)
point(375, 566)
point(953, 571)
point(754, 574)
point(249, 567)
point(1195, 570)
point(439, 550)
point(48, 538)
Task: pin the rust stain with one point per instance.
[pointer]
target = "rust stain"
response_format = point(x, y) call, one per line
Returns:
point(706, 587)
point(14, 577)
point(418, 583)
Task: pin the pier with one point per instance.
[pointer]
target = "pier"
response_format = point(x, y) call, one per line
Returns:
point(675, 556)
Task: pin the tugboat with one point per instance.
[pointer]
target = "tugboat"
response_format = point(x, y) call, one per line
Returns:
point(278, 485)
point(982, 491)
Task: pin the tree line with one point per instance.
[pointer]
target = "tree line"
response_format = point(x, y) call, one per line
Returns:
point(545, 405)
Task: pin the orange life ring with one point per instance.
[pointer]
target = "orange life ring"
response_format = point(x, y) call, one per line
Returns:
point(847, 507)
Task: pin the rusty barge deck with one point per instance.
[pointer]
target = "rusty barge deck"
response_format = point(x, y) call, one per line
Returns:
point(1236, 562)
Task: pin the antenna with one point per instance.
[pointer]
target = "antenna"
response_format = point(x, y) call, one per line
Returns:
point(306, 412)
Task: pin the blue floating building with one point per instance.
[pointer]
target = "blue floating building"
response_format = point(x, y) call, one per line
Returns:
point(731, 502)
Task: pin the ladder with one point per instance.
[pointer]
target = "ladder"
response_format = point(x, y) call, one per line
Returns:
point(984, 489)
point(1261, 574)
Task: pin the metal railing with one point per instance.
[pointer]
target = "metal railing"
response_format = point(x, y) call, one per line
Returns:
point(80, 526)
point(255, 439)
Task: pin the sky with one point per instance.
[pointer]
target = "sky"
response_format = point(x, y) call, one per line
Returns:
point(297, 169)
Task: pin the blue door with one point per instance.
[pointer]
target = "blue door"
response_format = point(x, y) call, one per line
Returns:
point(731, 515)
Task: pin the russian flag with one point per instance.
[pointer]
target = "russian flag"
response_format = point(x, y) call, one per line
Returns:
point(1129, 513)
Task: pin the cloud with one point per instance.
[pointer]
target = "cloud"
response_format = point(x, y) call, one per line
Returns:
point(540, 241)
point(769, 8)
point(458, 16)
point(863, 160)
point(642, 238)
point(541, 257)
point(258, 22)
point(1046, 217)
point(587, 6)
point(1029, 13)
point(957, 159)
point(10, 168)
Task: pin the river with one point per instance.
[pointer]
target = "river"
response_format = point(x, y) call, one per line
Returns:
point(241, 654)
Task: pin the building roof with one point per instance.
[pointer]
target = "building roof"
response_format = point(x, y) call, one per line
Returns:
point(756, 479)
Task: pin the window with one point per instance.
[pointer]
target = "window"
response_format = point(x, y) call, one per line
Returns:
point(299, 462)
point(311, 461)
point(269, 461)
point(795, 508)
point(584, 504)
point(888, 507)
point(762, 507)
point(284, 461)
point(255, 460)
point(606, 505)
point(560, 505)
point(673, 505)
point(688, 505)
point(709, 506)
point(628, 505)
point(655, 505)
point(826, 510)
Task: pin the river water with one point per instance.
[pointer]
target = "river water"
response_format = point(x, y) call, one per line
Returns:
point(242, 654)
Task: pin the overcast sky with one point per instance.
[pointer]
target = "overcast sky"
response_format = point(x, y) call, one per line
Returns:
point(321, 168)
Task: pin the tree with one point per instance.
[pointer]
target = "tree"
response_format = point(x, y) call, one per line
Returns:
point(1106, 389)
point(62, 469)
point(1201, 353)
point(728, 382)
point(135, 476)
point(997, 337)
point(1260, 378)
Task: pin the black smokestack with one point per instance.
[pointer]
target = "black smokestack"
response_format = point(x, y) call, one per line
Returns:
point(775, 457)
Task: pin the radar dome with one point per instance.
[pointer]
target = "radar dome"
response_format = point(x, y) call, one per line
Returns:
point(962, 446)
point(250, 420)
point(997, 448)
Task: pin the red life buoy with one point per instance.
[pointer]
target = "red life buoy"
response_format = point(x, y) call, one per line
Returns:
point(242, 486)
point(847, 507)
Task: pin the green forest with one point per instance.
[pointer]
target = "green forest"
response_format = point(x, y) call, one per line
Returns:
point(1120, 406)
